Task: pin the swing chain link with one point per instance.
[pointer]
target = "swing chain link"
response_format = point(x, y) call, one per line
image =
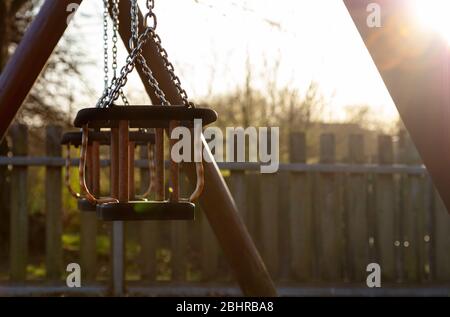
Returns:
point(134, 24)
point(140, 59)
point(162, 51)
point(105, 44)
point(115, 13)
point(115, 16)
point(129, 67)
point(136, 43)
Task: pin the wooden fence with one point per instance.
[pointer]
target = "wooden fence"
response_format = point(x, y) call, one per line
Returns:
point(314, 224)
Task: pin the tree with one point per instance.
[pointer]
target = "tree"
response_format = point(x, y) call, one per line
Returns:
point(43, 104)
point(64, 65)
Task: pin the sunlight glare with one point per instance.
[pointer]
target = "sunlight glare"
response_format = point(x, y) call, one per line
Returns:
point(434, 14)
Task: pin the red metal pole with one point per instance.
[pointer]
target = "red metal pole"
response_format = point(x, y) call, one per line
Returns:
point(30, 57)
point(217, 202)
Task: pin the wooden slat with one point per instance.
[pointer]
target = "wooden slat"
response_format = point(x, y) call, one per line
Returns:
point(19, 210)
point(53, 206)
point(5, 197)
point(284, 227)
point(413, 218)
point(300, 213)
point(209, 250)
point(441, 242)
point(357, 233)
point(238, 189)
point(179, 244)
point(413, 228)
point(427, 246)
point(328, 219)
point(269, 222)
point(253, 207)
point(385, 239)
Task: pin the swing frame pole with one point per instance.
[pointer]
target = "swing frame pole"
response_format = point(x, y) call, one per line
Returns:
point(30, 57)
point(216, 200)
point(23, 69)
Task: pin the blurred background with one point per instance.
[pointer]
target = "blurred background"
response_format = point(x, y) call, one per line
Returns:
point(298, 65)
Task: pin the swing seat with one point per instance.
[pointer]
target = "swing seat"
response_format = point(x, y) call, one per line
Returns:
point(143, 116)
point(74, 138)
point(85, 206)
point(103, 137)
point(146, 210)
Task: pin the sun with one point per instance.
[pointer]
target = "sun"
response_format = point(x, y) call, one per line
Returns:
point(434, 15)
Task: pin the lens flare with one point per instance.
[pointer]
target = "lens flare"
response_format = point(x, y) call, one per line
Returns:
point(434, 15)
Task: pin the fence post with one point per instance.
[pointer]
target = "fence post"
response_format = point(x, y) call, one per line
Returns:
point(329, 215)
point(179, 241)
point(19, 210)
point(53, 205)
point(413, 215)
point(441, 242)
point(238, 190)
point(5, 197)
point(270, 213)
point(300, 213)
point(148, 229)
point(386, 234)
point(356, 214)
point(209, 250)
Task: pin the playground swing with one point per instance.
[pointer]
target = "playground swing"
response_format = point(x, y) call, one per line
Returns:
point(120, 121)
point(97, 138)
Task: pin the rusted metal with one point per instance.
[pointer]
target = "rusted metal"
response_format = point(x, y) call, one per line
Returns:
point(95, 168)
point(131, 187)
point(114, 159)
point(174, 168)
point(159, 164)
point(88, 171)
point(123, 161)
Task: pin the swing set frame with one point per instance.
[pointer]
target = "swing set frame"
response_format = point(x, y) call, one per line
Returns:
point(32, 54)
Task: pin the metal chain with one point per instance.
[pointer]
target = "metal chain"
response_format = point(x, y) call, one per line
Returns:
point(129, 67)
point(134, 9)
point(136, 42)
point(105, 47)
point(171, 69)
point(134, 12)
point(162, 51)
point(115, 13)
point(115, 18)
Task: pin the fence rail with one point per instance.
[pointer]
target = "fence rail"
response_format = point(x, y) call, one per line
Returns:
point(317, 224)
point(46, 161)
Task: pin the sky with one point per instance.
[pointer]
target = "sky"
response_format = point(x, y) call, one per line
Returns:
point(210, 42)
